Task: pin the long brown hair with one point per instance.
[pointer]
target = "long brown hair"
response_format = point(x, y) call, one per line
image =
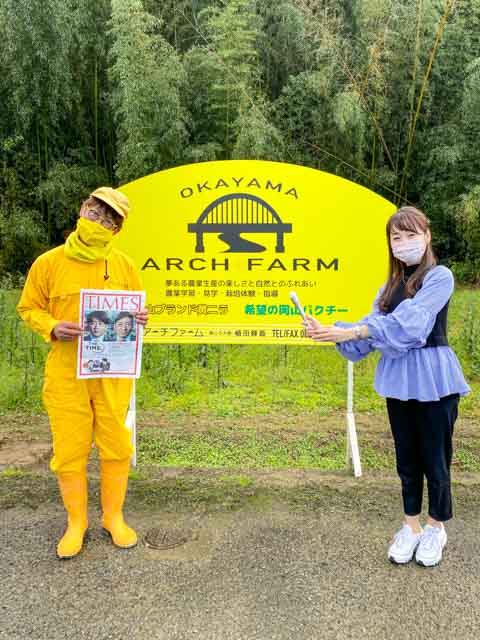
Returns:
point(406, 219)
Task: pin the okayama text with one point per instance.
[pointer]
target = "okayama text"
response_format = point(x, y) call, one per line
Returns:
point(252, 264)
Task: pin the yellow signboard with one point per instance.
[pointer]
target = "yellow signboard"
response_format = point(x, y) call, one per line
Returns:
point(220, 245)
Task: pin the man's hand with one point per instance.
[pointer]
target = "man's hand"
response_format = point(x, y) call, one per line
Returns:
point(67, 331)
point(327, 332)
point(141, 316)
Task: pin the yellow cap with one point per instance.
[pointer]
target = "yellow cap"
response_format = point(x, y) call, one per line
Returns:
point(115, 199)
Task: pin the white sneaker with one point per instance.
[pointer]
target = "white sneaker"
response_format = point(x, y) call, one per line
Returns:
point(429, 552)
point(404, 544)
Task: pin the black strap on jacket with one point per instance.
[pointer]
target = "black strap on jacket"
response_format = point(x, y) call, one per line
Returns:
point(438, 335)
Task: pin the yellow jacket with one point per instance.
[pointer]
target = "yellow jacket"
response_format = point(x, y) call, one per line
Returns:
point(52, 290)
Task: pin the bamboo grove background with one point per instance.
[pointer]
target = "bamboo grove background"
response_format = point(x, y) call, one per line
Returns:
point(382, 92)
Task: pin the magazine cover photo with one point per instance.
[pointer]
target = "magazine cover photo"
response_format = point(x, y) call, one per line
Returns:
point(111, 342)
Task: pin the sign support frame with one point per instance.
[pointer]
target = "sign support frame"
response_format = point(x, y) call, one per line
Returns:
point(131, 423)
point(352, 450)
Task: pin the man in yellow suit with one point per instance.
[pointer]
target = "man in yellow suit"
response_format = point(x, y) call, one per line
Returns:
point(81, 411)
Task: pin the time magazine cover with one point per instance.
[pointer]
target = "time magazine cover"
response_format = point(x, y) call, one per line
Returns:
point(111, 344)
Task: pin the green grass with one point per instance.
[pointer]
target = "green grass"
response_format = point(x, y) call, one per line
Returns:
point(12, 473)
point(247, 449)
point(235, 380)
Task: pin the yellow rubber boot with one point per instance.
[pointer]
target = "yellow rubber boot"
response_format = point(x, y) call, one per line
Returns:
point(73, 487)
point(114, 482)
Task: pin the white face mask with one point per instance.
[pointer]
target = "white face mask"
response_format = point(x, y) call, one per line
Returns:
point(410, 251)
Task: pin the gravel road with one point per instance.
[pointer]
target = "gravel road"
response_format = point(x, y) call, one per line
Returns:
point(271, 569)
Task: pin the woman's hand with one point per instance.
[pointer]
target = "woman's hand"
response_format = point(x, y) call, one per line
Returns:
point(142, 316)
point(327, 332)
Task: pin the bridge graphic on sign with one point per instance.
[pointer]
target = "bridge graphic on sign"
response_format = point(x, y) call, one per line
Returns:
point(237, 213)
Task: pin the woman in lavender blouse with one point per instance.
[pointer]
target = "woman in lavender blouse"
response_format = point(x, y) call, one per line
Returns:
point(418, 374)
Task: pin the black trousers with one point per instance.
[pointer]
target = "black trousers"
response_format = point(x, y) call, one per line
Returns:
point(423, 432)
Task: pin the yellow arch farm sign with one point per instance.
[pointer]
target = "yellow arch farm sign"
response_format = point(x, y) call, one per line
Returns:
point(221, 244)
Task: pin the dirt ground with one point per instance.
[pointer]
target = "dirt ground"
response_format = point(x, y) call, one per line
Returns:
point(25, 439)
point(268, 554)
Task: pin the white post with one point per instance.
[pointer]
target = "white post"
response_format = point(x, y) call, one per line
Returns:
point(131, 423)
point(353, 453)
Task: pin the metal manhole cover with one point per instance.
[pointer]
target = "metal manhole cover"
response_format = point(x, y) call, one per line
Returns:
point(158, 538)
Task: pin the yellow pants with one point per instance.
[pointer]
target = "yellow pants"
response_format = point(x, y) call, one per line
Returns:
point(83, 411)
